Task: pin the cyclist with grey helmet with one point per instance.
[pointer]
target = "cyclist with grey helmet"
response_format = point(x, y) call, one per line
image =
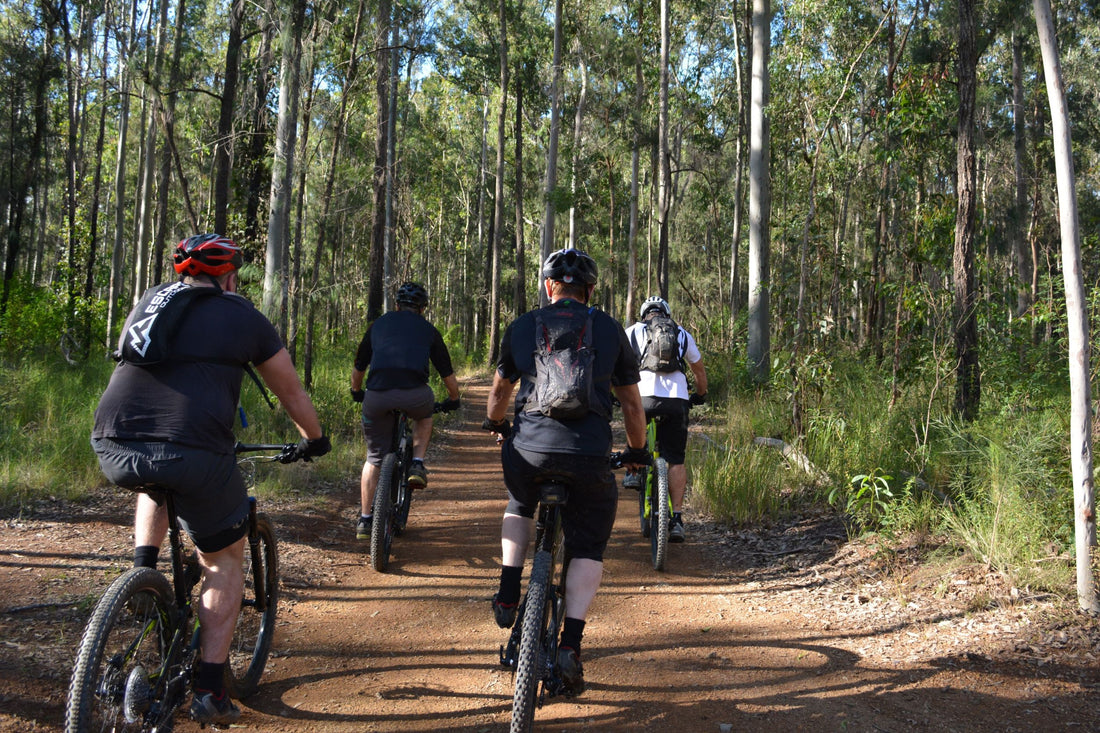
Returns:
point(666, 395)
point(393, 358)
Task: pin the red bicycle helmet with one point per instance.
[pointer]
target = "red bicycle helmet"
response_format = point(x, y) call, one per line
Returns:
point(207, 254)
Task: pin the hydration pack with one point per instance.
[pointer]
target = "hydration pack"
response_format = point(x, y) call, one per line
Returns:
point(661, 350)
point(564, 365)
point(148, 335)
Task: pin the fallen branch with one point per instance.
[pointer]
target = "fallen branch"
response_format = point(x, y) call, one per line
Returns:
point(795, 457)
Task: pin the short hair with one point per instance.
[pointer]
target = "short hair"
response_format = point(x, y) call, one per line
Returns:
point(575, 290)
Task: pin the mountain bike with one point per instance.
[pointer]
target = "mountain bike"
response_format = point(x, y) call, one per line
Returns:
point(140, 647)
point(393, 497)
point(654, 501)
point(532, 648)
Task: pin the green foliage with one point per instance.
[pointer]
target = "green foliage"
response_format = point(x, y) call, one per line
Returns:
point(44, 450)
point(866, 498)
point(1013, 497)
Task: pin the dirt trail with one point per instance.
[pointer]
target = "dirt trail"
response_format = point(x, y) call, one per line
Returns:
point(789, 629)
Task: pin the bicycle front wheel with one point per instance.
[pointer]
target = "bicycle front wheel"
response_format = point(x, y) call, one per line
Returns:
point(381, 536)
point(531, 661)
point(661, 511)
point(256, 622)
point(120, 662)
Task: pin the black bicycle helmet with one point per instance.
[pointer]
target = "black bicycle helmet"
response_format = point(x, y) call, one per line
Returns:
point(412, 294)
point(654, 303)
point(569, 265)
point(206, 254)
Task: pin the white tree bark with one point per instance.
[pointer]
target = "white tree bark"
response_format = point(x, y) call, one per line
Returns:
point(759, 346)
point(1084, 508)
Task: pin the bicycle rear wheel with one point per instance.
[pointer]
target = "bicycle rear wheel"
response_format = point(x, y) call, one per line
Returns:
point(532, 662)
point(256, 623)
point(661, 513)
point(120, 660)
point(382, 528)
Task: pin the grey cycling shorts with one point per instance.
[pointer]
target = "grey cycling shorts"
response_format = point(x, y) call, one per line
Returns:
point(378, 417)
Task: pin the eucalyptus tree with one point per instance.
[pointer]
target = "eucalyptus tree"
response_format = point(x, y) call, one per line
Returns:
point(1084, 505)
point(282, 170)
point(759, 343)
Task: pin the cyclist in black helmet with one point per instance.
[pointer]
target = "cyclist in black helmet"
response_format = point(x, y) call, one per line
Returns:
point(574, 447)
point(169, 421)
point(393, 357)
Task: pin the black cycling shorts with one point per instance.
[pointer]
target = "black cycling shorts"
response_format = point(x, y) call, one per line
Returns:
point(589, 513)
point(208, 491)
point(671, 414)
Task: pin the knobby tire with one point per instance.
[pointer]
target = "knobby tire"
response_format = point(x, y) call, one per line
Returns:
point(256, 623)
point(530, 663)
point(123, 646)
point(381, 537)
point(661, 514)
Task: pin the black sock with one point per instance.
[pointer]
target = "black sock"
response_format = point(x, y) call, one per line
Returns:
point(368, 517)
point(145, 556)
point(571, 633)
point(211, 678)
point(510, 578)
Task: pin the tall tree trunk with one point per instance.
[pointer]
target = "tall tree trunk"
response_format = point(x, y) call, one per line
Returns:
point(324, 225)
point(375, 298)
point(116, 289)
point(578, 145)
point(498, 196)
point(1019, 211)
point(160, 232)
point(151, 95)
point(759, 346)
point(967, 374)
point(282, 169)
point(739, 162)
point(1084, 506)
point(664, 174)
point(521, 257)
point(258, 137)
point(552, 153)
point(223, 145)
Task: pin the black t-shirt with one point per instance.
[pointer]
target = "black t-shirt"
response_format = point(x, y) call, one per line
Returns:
point(615, 365)
point(188, 400)
point(397, 348)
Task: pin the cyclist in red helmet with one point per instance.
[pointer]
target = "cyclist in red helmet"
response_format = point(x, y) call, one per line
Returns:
point(393, 359)
point(166, 418)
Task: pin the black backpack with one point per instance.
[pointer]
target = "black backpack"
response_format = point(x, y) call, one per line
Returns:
point(147, 338)
point(661, 350)
point(564, 365)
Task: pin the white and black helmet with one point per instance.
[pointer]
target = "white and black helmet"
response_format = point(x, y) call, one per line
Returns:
point(654, 302)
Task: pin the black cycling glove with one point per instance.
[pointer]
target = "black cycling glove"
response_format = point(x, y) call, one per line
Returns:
point(636, 456)
point(502, 426)
point(307, 449)
point(449, 405)
point(698, 399)
point(357, 395)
